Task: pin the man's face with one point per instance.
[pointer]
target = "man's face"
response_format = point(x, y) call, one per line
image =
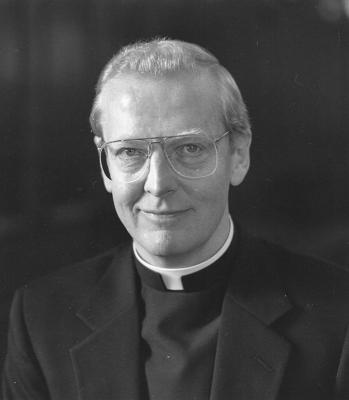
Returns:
point(173, 220)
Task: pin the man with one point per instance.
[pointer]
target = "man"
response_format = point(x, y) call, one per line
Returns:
point(195, 308)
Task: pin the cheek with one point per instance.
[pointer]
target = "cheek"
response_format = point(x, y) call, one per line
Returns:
point(124, 197)
point(210, 203)
point(213, 191)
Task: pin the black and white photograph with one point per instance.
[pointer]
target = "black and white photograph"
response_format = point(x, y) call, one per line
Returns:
point(174, 208)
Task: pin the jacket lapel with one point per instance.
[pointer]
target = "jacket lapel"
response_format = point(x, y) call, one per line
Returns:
point(251, 357)
point(107, 363)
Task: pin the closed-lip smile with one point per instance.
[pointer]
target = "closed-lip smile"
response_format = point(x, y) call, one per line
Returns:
point(164, 213)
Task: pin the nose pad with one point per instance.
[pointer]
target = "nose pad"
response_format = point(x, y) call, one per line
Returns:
point(160, 177)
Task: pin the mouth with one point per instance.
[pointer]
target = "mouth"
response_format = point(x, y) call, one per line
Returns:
point(164, 214)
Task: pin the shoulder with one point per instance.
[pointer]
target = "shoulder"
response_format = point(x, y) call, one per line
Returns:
point(308, 280)
point(71, 284)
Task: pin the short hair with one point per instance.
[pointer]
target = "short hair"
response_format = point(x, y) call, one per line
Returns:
point(159, 57)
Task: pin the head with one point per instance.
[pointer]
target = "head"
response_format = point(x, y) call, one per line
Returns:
point(168, 88)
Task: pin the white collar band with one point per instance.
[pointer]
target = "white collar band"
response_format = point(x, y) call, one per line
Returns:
point(172, 276)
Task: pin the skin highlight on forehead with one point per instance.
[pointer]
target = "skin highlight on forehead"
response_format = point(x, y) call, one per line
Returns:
point(125, 102)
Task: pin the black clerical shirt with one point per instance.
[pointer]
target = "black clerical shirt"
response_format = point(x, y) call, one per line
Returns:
point(180, 329)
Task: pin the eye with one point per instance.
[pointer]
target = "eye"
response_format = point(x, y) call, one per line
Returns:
point(191, 149)
point(129, 152)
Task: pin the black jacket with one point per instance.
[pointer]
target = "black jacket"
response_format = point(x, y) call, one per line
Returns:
point(283, 333)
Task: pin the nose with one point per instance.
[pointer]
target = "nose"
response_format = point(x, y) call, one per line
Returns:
point(160, 179)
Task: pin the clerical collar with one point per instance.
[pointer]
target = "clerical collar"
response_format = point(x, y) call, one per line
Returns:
point(172, 277)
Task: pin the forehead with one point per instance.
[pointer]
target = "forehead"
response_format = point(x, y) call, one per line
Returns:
point(150, 106)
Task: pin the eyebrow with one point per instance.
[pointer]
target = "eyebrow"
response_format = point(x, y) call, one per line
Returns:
point(190, 132)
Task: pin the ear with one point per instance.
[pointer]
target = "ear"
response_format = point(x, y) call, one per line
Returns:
point(107, 181)
point(240, 159)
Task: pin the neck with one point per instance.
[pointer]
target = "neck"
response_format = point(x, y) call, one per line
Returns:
point(200, 255)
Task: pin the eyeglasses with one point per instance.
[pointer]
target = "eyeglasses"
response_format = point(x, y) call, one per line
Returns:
point(191, 156)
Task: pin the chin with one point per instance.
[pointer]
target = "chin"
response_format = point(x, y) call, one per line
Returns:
point(164, 244)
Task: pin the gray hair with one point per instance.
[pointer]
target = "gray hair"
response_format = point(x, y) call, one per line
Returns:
point(159, 57)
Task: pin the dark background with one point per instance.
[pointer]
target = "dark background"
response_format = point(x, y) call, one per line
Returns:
point(290, 59)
